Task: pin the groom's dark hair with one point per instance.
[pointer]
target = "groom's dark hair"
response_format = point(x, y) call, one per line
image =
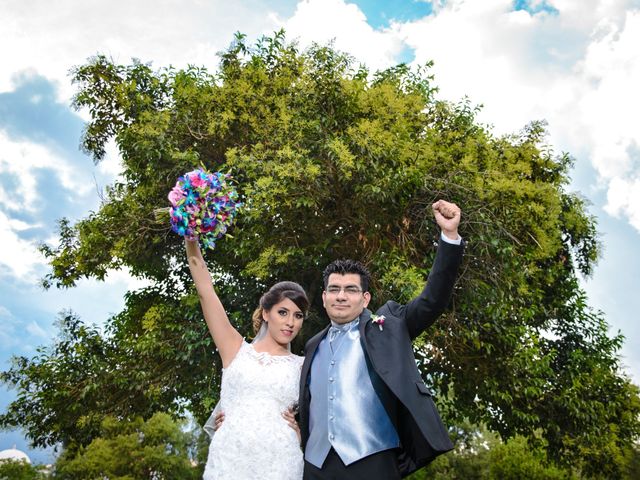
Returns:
point(343, 267)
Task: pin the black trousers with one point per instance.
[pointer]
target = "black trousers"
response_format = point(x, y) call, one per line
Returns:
point(382, 465)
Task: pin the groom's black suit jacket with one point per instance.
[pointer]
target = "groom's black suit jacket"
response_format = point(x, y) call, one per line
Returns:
point(408, 400)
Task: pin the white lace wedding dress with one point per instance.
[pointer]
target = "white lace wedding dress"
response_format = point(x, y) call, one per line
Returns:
point(254, 441)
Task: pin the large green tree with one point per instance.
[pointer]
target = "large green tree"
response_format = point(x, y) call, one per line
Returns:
point(331, 161)
point(133, 450)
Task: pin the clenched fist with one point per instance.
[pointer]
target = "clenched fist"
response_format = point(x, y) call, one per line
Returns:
point(448, 218)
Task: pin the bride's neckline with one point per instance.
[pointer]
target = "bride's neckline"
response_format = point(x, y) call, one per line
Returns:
point(270, 354)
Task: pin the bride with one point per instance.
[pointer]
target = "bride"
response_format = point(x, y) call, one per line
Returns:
point(259, 438)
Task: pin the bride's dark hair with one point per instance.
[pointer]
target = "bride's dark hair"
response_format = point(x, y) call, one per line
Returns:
point(276, 294)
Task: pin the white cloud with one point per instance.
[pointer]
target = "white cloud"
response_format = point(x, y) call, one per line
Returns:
point(321, 21)
point(20, 226)
point(8, 337)
point(21, 159)
point(111, 165)
point(623, 197)
point(93, 300)
point(124, 279)
point(37, 331)
point(578, 69)
point(19, 258)
point(22, 334)
point(52, 39)
point(611, 71)
point(492, 54)
point(29, 325)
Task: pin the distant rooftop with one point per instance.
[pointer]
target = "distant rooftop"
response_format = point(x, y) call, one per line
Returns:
point(14, 454)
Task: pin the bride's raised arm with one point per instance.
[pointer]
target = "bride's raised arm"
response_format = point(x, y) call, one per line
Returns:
point(226, 338)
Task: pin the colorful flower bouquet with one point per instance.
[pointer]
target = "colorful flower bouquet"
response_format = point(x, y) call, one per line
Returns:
point(203, 206)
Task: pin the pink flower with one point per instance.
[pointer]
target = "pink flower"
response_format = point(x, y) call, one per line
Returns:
point(176, 196)
point(196, 179)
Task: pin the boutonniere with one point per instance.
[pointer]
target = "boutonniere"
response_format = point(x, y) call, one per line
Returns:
point(378, 320)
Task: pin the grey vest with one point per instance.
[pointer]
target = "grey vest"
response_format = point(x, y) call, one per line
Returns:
point(346, 412)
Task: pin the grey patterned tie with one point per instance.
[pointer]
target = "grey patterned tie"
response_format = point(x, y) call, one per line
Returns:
point(334, 335)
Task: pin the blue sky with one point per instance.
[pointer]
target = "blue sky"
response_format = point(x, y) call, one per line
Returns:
point(574, 64)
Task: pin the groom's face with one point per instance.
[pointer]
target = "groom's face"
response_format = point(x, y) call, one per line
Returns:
point(343, 299)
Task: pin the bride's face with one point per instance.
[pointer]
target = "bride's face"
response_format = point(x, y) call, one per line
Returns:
point(284, 321)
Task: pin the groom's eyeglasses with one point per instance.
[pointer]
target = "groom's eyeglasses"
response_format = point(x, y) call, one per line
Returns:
point(348, 290)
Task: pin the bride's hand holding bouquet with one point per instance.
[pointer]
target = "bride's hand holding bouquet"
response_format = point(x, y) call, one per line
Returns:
point(203, 206)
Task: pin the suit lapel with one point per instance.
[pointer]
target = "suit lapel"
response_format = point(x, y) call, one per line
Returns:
point(372, 343)
point(312, 346)
point(365, 318)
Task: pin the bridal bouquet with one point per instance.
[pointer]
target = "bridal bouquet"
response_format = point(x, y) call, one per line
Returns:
point(203, 206)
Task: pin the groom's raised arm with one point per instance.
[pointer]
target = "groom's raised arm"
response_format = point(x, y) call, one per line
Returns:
point(423, 310)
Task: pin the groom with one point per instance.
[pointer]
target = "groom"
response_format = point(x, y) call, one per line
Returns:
point(365, 412)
